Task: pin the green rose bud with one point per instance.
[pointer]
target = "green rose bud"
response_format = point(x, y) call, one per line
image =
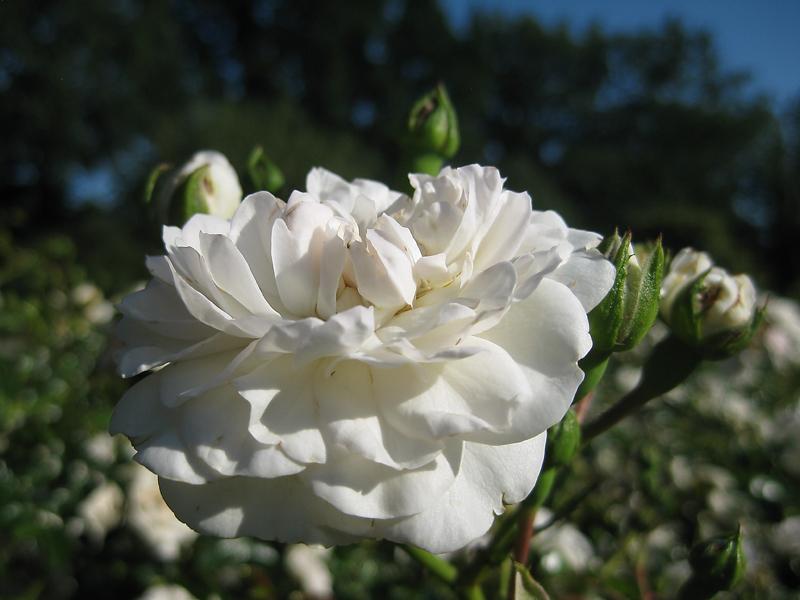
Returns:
point(433, 125)
point(717, 565)
point(630, 308)
point(264, 173)
point(708, 308)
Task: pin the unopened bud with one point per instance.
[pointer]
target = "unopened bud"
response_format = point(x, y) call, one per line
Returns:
point(206, 184)
point(630, 308)
point(717, 565)
point(707, 307)
point(433, 125)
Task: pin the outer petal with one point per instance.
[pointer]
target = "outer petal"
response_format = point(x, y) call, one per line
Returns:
point(141, 417)
point(588, 274)
point(489, 476)
point(280, 509)
point(350, 417)
point(453, 398)
point(546, 335)
point(159, 308)
point(214, 427)
point(282, 406)
point(362, 488)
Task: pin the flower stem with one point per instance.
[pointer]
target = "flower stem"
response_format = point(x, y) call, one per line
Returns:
point(670, 363)
point(435, 564)
point(473, 592)
point(524, 534)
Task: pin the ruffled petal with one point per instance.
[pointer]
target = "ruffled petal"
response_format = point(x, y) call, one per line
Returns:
point(280, 509)
point(282, 406)
point(212, 428)
point(350, 418)
point(454, 398)
point(360, 487)
point(588, 275)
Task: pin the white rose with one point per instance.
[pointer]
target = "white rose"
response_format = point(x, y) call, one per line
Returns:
point(321, 376)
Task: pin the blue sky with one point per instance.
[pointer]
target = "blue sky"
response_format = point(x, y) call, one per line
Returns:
point(761, 37)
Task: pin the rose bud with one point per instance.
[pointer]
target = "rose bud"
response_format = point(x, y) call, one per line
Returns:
point(433, 131)
point(629, 310)
point(206, 184)
point(708, 308)
point(717, 565)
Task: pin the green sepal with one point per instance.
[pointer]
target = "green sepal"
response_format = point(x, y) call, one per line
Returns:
point(725, 344)
point(263, 172)
point(685, 316)
point(593, 366)
point(642, 299)
point(605, 319)
point(152, 181)
point(190, 197)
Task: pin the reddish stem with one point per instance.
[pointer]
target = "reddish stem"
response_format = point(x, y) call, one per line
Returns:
point(582, 409)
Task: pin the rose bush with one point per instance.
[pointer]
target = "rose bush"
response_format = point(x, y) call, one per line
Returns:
point(356, 362)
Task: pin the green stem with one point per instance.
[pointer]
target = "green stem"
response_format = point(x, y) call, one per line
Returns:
point(435, 564)
point(506, 576)
point(473, 592)
point(494, 553)
point(670, 363)
point(594, 367)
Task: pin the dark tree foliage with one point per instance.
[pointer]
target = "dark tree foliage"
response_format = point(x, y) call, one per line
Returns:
point(641, 130)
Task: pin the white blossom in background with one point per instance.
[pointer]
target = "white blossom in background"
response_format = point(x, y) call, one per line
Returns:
point(309, 566)
point(562, 545)
point(151, 518)
point(101, 510)
point(358, 363)
point(785, 536)
point(96, 308)
point(782, 332)
point(101, 448)
point(166, 592)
